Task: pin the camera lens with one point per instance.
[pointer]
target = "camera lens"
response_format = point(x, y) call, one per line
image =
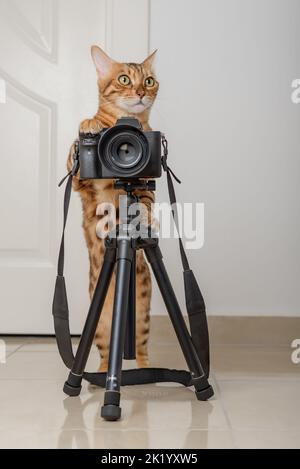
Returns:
point(124, 150)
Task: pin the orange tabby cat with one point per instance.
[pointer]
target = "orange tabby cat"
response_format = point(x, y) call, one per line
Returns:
point(125, 89)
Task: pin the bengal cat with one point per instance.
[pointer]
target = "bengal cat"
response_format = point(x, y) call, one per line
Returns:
point(125, 89)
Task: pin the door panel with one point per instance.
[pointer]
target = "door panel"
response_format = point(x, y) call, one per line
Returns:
point(50, 86)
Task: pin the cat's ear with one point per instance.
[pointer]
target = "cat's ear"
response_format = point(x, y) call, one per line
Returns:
point(149, 60)
point(102, 62)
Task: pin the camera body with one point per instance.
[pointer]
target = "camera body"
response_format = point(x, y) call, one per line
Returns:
point(123, 151)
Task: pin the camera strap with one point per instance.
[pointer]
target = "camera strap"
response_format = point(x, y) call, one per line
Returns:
point(194, 302)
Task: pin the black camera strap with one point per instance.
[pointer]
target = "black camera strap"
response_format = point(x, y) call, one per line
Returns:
point(194, 302)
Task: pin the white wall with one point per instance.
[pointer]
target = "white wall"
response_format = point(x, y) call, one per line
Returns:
point(226, 69)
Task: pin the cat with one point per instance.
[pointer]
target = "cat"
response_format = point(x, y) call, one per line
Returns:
point(125, 89)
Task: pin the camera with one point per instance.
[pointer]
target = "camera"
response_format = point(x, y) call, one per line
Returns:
point(122, 151)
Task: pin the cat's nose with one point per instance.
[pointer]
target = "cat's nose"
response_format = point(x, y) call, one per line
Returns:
point(140, 92)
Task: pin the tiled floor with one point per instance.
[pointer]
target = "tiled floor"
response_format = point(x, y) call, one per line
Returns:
point(256, 403)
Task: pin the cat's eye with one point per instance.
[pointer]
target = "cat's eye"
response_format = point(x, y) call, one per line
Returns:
point(124, 80)
point(149, 82)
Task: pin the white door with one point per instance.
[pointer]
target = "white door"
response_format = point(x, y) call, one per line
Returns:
point(50, 85)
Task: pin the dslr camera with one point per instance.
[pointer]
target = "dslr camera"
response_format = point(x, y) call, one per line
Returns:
point(123, 151)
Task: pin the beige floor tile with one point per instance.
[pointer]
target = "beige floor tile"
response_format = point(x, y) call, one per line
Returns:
point(253, 362)
point(167, 357)
point(41, 347)
point(262, 405)
point(8, 350)
point(47, 344)
point(12, 348)
point(161, 354)
point(267, 439)
point(150, 439)
point(44, 362)
point(40, 365)
point(162, 330)
point(10, 345)
point(160, 407)
point(30, 406)
point(256, 402)
point(13, 340)
point(36, 405)
point(116, 439)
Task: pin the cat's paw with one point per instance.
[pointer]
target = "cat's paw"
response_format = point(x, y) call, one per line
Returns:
point(90, 126)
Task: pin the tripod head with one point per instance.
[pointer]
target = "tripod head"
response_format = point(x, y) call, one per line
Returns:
point(131, 185)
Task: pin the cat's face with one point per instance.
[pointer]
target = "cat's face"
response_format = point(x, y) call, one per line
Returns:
point(128, 86)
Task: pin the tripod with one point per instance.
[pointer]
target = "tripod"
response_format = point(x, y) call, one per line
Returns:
point(120, 252)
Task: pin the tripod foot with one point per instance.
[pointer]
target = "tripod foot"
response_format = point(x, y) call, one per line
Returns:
point(204, 394)
point(71, 390)
point(111, 412)
point(72, 386)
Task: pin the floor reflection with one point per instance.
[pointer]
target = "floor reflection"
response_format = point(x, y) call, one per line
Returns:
point(153, 416)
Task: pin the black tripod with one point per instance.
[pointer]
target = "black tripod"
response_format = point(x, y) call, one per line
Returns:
point(121, 252)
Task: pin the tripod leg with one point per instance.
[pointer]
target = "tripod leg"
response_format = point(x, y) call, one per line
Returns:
point(130, 336)
point(72, 386)
point(199, 380)
point(111, 410)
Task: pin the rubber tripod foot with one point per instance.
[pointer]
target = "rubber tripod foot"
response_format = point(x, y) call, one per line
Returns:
point(71, 390)
point(204, 394)
point(110, 412)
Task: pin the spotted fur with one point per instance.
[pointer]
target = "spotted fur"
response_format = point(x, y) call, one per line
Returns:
point(116, 100)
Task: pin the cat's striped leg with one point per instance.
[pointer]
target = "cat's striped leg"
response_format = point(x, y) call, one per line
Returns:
point(143, 299)
point(102, 336)
point(96, 255)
